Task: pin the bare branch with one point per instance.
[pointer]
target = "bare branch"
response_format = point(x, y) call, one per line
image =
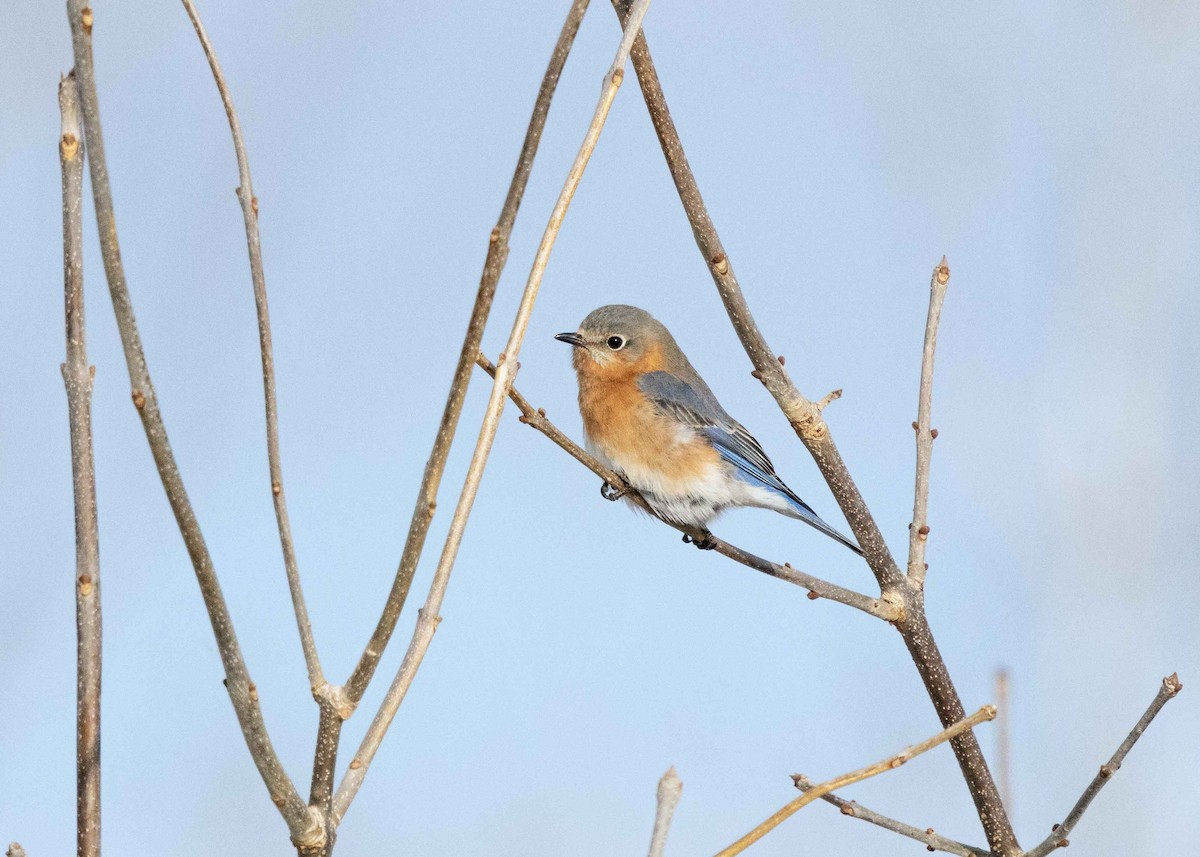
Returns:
point(805, 417)
point(1058, 838)
point(817, 588)
point(918, 530)
point(497, 255)
point(249, 203)
point(988, 712)
point(428, 617)
point(670, 788)
point(304, 826)
point(927, 837)
point(77, 376)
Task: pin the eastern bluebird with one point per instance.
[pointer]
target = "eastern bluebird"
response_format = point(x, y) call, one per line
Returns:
point(649, 415)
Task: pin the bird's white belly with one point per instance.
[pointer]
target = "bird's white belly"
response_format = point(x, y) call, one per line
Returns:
point(694, 500)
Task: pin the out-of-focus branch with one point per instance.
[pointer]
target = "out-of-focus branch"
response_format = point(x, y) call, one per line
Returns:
point(249, 203)
point(817, 588)
point(670, 788)
point(918, 530)
point(497, 255)
point(927, 837)
point(305, 827)
point(988, 712)
point(805, 417)
point(15, 850)
point(1004, 739)
point(428, 617)
point(77, 376)
point(1171, 685)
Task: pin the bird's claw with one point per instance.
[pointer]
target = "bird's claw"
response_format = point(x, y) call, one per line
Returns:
point(706, 542)
point(611, 492)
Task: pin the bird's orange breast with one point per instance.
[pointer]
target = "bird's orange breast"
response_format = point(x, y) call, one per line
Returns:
point(630, 431)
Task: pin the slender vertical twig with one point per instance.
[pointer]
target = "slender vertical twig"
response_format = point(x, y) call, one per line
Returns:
point(1004, 739)
point(927, 837)
point(77, 376)
point(805, 417)
point(305, 826)
point(1168, 690)
point(428, 616)
point(918, 530)
point(789, 809)
point(670, 788)
point(497, 255)
point(249, 203)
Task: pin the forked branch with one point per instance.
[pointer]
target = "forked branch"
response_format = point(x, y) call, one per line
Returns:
point(304, 826)
point(988, 712)
point(428, 617)
point(805, 417)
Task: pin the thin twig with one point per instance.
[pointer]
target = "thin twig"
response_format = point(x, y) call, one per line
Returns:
point(428, 616)
point(817, 587)
point(497, 255)
point(330, 698)
point(927, 837)
point(77, 376)
point(805, 417)
point(1058, 838)
point(670, 788)
point(986, 713)
point(1004, 739)
point(918, 530)
point(303, 825)
point(249, 204)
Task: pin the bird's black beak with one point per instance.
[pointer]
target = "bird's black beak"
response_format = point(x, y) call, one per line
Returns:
point(570, 338)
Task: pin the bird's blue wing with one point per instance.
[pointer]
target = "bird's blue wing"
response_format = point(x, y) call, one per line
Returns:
point(694, 405)
point(697, 407)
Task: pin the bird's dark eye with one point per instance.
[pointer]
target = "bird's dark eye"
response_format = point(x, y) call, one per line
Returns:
point(616, 343)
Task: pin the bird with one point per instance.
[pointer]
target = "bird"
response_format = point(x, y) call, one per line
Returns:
point(649, 416)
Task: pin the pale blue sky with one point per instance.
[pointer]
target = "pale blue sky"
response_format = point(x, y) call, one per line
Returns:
point(1048, 149)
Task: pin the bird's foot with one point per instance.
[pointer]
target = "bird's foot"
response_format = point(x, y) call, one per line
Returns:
point(611, 492)
point(706, 542)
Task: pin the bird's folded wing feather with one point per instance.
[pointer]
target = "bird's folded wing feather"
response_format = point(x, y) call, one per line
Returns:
point(698, 408)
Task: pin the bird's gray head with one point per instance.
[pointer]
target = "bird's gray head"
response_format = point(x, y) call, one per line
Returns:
point(618, 338)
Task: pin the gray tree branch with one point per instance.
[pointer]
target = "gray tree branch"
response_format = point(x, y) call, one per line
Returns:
point(806, 419)
point(428, 616)
point(817, 587)
point(303, 825)
point(927, 837)
point(249, 204)
point(497, 255)
point(1168, 690)
point(918, 530)
point(77, 376)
